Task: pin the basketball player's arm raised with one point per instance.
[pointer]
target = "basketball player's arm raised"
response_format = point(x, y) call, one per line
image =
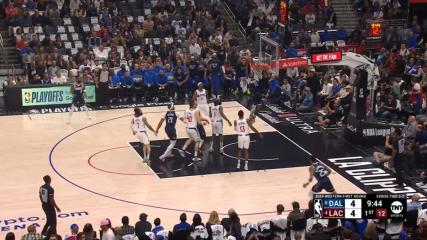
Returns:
point(144, 119)
point(311, 171)
point(221, 111)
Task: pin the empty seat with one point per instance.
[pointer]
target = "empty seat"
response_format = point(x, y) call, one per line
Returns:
point(73, 51)
point(147, 11)
point(340, 43)
point(75, 36)
point(86, 28)
point(71, 29)
point(140, 19)
point(64, 37)
point(94, 20)
point(67, 21)
point(38, 29)
point(78, 44)
point(130, 19)
point(52, 37)
point(67, 45)
point(61, 29)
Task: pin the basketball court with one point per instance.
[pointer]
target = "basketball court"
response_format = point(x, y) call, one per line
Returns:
point(97, 171)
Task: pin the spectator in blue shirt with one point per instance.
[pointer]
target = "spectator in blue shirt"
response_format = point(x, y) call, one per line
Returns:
point(31, 5)
point(307, 101)
point(183, 225)
point(162, 81)
point(171, 86)
point(150, 81)
point(127, 85)
point(137, 73)
point(411, 40)
point(291, 51)
point(157, 228)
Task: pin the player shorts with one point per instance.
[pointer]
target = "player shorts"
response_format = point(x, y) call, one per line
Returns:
point(78, 99)
point(323, 184)
point(217, 128)
point(171, 132)
point(204, 110)
point(243, 141)
point(143, 137)
point(194, 134)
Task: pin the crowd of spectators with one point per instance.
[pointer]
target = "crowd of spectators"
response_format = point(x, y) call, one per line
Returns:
point(295, 224)
point(163, 56)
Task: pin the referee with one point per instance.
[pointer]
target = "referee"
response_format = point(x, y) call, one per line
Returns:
point(49, 206)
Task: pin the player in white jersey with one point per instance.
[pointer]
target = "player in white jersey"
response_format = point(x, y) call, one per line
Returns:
point(217, 116)
point(242, 126)
point(193, 118)
point(139, 127)
point(201, 97)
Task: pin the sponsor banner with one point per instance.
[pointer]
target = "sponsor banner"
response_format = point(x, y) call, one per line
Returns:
point(21, 223)
point(55, 95)
point(326, 57)
point(291, 62)
point(80, 109)
point(366, 175)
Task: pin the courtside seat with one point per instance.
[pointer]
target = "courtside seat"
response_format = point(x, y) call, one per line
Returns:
point(200, 232)
point(218, 232)
point(151, 235)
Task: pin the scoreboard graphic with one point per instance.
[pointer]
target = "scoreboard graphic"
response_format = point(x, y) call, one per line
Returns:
point(359, 206)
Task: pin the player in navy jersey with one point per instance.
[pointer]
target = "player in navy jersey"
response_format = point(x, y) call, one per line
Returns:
point(170, 117)
point(216, 75)
point(321, 173)
point(78, 89)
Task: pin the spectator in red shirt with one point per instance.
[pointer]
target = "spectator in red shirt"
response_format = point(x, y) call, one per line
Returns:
point(20, 44)
point(11, 14)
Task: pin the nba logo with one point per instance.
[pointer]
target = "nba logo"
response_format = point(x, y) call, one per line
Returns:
point(318, 207)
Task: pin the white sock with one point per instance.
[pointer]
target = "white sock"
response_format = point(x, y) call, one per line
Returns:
point(73, 108)
point(86, 110)
point(196, 153)
point(201, 143)
point(221, 144)
point(169, 148)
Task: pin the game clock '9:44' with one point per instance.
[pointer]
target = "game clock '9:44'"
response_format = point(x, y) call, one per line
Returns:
point(359, 206)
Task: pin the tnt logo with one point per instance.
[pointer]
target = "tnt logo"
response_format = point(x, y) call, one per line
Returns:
point(396, 207)
point(27, 97)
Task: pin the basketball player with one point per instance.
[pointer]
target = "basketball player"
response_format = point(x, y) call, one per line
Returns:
point(201, 98)
point(171, 116)
point(193, 120)
point(217, 115)
point(138, 127)
point(321, 173)
point(77, 89)
point(242, 126)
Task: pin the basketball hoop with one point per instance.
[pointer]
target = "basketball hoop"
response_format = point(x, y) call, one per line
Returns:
point(258, 68)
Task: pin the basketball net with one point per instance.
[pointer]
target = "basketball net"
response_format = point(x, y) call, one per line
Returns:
point(258, 68)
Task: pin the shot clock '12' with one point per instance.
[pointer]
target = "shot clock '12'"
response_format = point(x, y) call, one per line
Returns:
point(359, 206)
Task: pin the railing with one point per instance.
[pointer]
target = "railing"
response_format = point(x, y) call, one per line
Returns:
point(241, 28)
point(5, 57)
